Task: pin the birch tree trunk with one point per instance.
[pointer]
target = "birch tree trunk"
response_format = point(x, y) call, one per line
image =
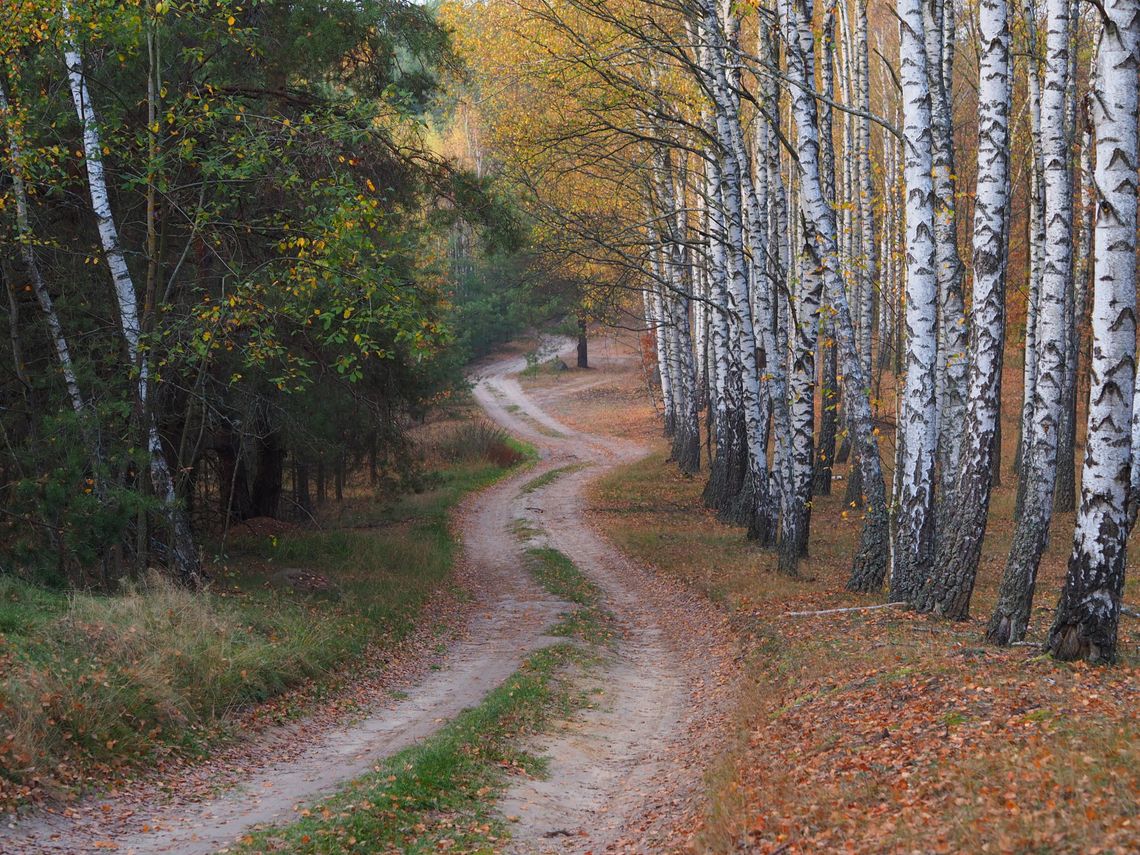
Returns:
point(1064, 494)
point(821, 245)
point(948, 590)
point(1085, 624)
point(31, 263)
point(829, 380)
point(870, 261)
point(953, 334)
point(1035, 239)
point(687, 431)
point(1011, 616)
point(184, 553)
point(918, 427)
point(746, 502)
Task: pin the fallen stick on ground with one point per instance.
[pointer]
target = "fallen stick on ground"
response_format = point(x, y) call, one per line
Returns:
point(851, 609)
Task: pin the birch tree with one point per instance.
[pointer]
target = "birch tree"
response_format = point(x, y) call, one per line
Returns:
point(1085, 623)
point(952, 329)
point(913, 535)
point(821, 245)
point(16, 167)
point(951, 583)
point(184, 553)
point(1011, 615)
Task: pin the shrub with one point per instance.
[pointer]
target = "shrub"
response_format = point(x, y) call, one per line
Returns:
point(478, 440)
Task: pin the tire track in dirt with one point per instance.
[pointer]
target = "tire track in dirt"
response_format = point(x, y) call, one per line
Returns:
point(624, 775)
point(509, 622)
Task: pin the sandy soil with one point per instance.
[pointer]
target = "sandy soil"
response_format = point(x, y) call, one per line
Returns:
point(619, 775)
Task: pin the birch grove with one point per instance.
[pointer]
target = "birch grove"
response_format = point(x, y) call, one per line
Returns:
point(839, 234)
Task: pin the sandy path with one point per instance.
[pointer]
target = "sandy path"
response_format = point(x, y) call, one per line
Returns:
point(622, 774)
point(613, 770)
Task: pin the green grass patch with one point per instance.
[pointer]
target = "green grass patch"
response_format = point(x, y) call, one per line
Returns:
point(439, 795)
point(90, 682)
point(547, 478)
point(557, 574)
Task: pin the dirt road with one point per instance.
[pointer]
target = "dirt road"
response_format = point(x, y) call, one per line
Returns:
point(619, 774)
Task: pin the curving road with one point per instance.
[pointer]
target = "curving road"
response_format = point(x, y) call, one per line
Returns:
point(615, 771)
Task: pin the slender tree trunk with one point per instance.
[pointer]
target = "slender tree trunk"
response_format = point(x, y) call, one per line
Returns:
point(746, 497)
point(829, 375)
point(1035, 227)
point(583, 353)
point(959, 544)
point(918, 428)
point(184, 553)
point(822, 248)
point(1085, 624)
point(953, 334)
point(1011, 616)
point(31, 264)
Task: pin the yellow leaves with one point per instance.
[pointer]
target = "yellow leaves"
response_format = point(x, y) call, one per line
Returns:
point(371, 186)
point(230, 21)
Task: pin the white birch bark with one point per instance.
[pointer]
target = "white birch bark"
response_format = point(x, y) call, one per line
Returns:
point(28, 254)
point(184, 553)
point(1085, 624)
point(918, 427)
point(821, 244)
point(951, 583)
point(869, 268)
point(1035, 239)
point(1011, 616)
point(952, 331)
point(740, 207)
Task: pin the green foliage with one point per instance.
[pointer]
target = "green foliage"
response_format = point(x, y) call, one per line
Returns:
point(66, 512)
point(291, 291)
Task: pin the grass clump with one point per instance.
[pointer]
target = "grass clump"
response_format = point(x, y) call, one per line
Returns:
point(439, 795)
point(589, 622)
point(478, 440)
point(548, 478)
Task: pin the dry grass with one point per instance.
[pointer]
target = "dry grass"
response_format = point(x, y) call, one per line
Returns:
point(882, 730)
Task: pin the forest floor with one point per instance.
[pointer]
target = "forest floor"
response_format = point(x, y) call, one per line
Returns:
point(622, 672)
point(874, 730)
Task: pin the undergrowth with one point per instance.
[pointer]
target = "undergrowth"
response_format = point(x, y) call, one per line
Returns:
point(91, 684)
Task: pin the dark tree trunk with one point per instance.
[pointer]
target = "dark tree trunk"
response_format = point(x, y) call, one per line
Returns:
point(322, 486)
point(339, 486)
point(1065, 493)
point(583, 361)
point(727, 491)
point(995, 463)
point(301, 494)
point(268, 478)
point(853, 495)
point(233, 478)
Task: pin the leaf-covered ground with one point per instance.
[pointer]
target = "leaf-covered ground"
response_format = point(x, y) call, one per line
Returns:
point(878, 730)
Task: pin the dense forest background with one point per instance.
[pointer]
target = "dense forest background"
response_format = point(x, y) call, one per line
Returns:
point(240, 251)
